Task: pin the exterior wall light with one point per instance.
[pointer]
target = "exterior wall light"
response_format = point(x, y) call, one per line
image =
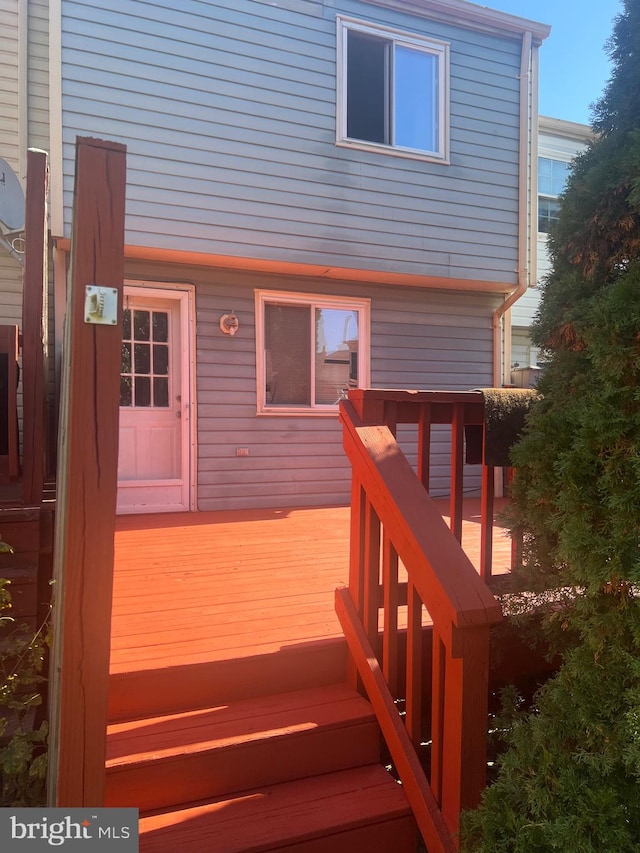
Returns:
point(229, 324)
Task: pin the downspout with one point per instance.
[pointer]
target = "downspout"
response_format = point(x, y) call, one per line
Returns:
point(501, 376)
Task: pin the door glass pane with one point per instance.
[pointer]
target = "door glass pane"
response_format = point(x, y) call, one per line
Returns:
point(161, 359)
point(160, 392)
point(415, 95)
point(336, 354)
point(142, 358)
point(287, 336)
point(144, 370)
point(142, 391)
point(141, 326)
point(125, 391)
point(160, 326)
point(126, 357)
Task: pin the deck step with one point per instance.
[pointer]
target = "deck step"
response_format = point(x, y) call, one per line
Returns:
point(159, 762)
point(361, 809)
point(141, 693)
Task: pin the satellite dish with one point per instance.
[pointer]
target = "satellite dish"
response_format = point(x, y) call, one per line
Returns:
point(11, 200)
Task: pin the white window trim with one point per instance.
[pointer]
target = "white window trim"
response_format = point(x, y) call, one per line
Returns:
point(363, 306)
point(434, 46)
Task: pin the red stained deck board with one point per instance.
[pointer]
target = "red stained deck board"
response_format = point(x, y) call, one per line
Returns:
point(195, 587)
point(287, 813)
point(239, 723)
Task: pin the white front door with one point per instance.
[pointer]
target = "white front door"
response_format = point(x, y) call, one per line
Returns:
point(154, 461)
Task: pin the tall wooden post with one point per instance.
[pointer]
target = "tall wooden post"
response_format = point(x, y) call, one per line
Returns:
point(87, 482)
point(34, 327)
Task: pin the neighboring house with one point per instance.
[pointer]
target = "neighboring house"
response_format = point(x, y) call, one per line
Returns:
point(320, 195)
point(558, 143)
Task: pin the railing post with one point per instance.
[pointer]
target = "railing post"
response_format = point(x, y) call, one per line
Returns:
point(465, 723)
point(34, 328)
point(87, 485)
point(391, 416)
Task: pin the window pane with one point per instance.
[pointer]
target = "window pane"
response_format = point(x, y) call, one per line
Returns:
point(367, 87)
point(548, 209)
point(141, 326)
point(142, 391)
point(552, 176)
point(160, 392)
point(160, 326)
point(142, 358)
point(336, 354)
point(287, 333)
point(415, 94)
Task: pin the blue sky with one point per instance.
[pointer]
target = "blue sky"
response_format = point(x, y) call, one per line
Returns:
point(573, 65)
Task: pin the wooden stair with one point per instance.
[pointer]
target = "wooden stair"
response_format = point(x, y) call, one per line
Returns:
point(297, 771)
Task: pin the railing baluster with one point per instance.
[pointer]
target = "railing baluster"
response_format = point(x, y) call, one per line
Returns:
point(356, 554)
point(371, 574)
point(438, 655)
point(414, 665)
point(486, 521)
point(390, 605)
point(424, 444)
point(457, 463)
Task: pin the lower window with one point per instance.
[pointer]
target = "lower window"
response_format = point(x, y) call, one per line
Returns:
point(311, 350)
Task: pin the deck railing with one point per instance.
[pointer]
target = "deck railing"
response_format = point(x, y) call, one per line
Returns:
point(397, 532)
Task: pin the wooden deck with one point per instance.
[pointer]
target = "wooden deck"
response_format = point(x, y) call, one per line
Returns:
point(221, 586)
point(232, 726)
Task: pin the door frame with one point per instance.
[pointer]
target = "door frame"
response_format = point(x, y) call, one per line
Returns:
point(184, 296)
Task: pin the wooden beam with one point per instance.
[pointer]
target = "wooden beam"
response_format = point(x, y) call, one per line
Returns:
point(34, 327)
point(9, 454)
point(87, 483)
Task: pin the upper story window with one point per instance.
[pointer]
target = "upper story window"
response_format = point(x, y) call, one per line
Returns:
point(310, 351)
point(552, 179)
point(392, 91)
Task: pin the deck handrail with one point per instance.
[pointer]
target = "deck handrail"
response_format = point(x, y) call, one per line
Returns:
point(395, 520)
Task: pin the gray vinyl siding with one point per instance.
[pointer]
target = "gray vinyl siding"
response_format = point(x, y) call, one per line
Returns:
point(38, 74)
point(420, 339)
point(228, 112)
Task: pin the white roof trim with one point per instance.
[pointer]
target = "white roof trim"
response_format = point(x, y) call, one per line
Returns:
point(469, 15)
point(569, 129)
